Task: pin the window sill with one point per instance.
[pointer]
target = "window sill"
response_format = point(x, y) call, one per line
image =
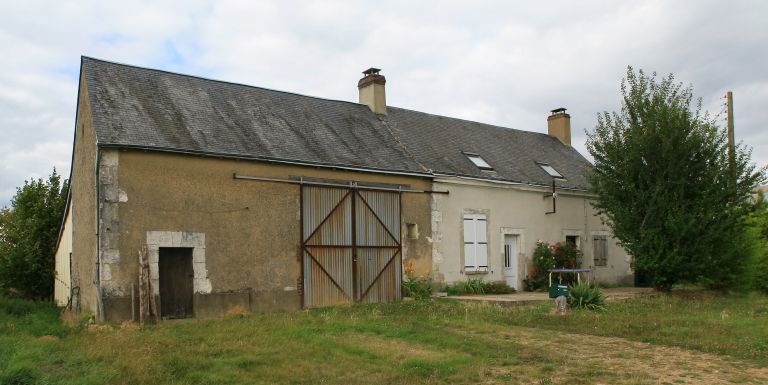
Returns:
point(480, 272)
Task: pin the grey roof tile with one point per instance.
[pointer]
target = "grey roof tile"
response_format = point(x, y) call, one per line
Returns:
point(139, 107)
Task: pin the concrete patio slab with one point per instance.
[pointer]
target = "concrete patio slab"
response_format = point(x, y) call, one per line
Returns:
point(531, 298)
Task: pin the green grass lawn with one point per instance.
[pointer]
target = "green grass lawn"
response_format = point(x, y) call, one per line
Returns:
point(724, 338)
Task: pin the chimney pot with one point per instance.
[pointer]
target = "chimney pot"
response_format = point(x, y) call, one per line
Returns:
point(372, 92)
point(559, 125)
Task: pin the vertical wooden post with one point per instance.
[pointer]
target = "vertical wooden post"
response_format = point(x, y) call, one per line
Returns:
point(143, 286)
point(147, 303)
point(731, 140)
point(353, 195)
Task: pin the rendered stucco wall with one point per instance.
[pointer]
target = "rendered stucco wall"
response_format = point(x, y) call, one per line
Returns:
point(520, 211)
point(250, 229)
point(83, 195)
point(63, 281)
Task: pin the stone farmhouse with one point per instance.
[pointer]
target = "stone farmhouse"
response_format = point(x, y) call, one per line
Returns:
point(273, 201)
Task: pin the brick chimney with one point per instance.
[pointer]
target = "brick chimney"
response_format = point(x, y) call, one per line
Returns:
point(559, 125)
point(372, 93)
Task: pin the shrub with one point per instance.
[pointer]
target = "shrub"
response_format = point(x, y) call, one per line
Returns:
point(418, 288)
point(478, 286)
point(585, 296)
point(548, 256)
point(498, 287)
point(530, 284)
point(472, 286)
point(756, 245)
point(567, 255)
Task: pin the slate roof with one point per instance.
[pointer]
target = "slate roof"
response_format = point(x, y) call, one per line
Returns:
point(146, 108)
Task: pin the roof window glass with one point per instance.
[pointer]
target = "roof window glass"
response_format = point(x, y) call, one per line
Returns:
point(478, 161)
point(550, 170)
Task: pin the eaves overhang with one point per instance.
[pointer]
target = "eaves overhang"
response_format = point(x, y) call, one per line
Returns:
point(296, 162)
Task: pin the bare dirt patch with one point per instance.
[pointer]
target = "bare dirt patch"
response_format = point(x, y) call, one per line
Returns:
point(390, 347)
point(638, 360)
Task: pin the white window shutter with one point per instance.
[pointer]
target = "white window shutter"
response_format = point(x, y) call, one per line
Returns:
point(469, 243)
point(469, 257)
point(469, 229)
point(482, 256)
point(480, 228)
point(475, 243)
point(481, 253)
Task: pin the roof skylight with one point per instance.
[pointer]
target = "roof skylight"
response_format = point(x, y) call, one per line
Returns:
point(550, 170)
point(478, 161)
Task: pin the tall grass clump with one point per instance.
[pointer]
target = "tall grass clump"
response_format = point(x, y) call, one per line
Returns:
point(478, 286)
point(472, 286)
point(20, 316)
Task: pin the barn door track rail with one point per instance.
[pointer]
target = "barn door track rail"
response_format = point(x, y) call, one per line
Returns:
point(353, 184)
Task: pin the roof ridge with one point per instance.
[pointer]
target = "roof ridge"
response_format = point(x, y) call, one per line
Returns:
point(219, 81)
point(489, 125)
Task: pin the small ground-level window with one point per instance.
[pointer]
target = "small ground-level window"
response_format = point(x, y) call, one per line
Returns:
point(572, 240)
point(600, 254)
point(475, 243)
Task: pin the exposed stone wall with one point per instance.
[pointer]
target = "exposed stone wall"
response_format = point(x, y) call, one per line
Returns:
point(109, 223)
point(196, 241)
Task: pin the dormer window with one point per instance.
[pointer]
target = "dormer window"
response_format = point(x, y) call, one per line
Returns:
point(478, 161)
point(550, 170)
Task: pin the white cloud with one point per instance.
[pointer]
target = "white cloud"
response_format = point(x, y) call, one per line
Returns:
point(492, 61)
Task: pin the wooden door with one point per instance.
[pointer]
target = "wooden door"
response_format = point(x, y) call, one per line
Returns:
point(176, 282)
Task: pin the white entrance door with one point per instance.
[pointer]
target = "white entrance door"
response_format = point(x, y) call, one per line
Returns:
point(510, 260)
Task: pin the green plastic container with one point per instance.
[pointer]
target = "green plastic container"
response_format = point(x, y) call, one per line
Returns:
point(558, 290)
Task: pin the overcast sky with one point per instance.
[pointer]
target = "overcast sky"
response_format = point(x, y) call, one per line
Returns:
point(499, 62)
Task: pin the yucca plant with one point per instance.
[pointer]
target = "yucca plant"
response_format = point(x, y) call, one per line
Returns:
point(588, 297)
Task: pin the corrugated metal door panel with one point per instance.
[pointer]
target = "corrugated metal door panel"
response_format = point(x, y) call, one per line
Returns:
point(378, 236)
point(384, 206)
point(342, 265)
point(377, 217)
point(379, 275)
point(327, 276)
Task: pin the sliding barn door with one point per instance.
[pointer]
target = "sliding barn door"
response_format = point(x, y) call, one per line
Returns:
point(350, 245)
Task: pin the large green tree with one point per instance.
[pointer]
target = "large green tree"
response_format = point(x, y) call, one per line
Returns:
point(29, 230)
point(666, 187)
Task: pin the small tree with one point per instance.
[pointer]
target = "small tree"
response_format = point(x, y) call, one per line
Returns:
point(666, 187)
point(28, 234)
point(757, 238)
